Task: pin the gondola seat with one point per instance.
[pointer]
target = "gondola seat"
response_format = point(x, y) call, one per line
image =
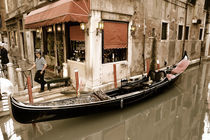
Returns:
point(156, 76)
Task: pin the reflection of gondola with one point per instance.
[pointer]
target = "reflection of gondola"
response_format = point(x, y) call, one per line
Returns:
point(100, 124)
point(129, 92)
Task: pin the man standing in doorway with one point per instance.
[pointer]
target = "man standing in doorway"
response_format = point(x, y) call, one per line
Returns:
point(3, 54)
point(40, 65)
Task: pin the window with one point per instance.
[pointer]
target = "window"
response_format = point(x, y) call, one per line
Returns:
point(59, 44)
point(21, 24)
point(0, 22)
point(180, 32)
point(192, 1)
point(50, 41)
point(206, 5)
point(201, 34)
point(187, 32)
point(37, 39)
point(15, 37)
point(164, 31)
point(115, 41)
point(77, 43)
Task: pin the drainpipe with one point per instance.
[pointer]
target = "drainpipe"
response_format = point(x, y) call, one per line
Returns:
point(206, 52)
point(144, 40)
point(143, 56)
point(185, 23)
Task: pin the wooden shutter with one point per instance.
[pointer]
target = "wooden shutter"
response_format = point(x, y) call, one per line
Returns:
point(115, 35)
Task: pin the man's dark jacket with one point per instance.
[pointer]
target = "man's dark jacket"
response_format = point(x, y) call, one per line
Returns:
point(4, 56)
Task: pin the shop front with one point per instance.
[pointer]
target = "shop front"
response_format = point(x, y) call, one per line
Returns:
point(56, 31)
point(88, 41)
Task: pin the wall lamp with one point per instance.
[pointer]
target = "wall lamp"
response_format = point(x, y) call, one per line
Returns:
point(58, 28)
point(84, 28)
point(133, 29)
point(100, 27)
point(37, 30)
point(196, 21)
point(49, 29)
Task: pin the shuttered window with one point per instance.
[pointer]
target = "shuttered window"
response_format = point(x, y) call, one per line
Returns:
point(115, 41)
point(115, 35)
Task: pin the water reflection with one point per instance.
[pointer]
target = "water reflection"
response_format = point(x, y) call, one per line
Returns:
point(178, 113)
point(206, 133)
point(7, 131)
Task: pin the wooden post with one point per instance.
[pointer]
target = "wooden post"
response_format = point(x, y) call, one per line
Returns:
point(29, 90)
point(64, 42)
point(77, 81)
point(148, 63)
point(158, 65)
point(115, 76)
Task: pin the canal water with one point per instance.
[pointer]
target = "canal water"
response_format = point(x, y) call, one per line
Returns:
point(182, 112)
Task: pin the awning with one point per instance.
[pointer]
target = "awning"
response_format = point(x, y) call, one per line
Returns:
point(115, 35)
point(76, 33)
point(59, 12)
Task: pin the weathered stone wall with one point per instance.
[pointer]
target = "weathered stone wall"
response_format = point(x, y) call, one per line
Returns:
point(173, 12)
point(113, 6)
point(153, 13)
point(2, 13)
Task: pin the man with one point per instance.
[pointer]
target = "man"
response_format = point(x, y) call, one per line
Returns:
point(3, 55)
point(40, 65)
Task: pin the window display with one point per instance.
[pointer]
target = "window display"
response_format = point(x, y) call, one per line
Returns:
point(77, 43)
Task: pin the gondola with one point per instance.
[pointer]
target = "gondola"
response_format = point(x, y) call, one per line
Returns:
point(128, 93)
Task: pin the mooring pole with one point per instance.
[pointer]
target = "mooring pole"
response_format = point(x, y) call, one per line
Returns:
point(158, 65)
point(29, 90)
point(148, 63)
point(77, 81)
point(115, 75)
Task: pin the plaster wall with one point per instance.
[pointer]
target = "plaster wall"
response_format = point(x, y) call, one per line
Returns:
point(113, 6)
point(207, 45)
point(74, 65)
point(108, 71)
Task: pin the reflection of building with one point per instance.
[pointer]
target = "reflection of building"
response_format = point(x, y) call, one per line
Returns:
point(92, 35)
point(206, 133)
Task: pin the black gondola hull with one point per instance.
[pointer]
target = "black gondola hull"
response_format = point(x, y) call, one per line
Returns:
point(32, 114)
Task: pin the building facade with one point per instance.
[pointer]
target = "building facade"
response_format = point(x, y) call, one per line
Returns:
point(3, 33)
point(92, 35)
